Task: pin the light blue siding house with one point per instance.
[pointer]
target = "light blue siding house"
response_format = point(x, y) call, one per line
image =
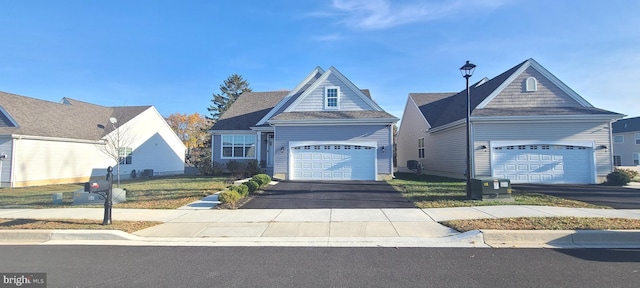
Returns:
point(326, 128)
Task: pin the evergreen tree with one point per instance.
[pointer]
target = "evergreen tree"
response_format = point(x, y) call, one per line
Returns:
point(230, 90)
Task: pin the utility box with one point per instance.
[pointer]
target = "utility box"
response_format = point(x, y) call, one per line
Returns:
point(491, 188)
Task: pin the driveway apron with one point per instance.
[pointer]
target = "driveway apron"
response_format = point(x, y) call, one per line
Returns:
point(326, 195)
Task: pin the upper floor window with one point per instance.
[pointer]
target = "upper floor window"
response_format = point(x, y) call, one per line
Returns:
point(531, 84)
point(332, 97)
point(618, 139)
point(636, 158)
point(637, 138)
point(239, 146)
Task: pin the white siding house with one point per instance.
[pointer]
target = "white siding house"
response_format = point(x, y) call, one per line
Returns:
point(43, 142)
point(526, 125)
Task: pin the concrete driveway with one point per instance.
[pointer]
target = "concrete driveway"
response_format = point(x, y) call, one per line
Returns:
point(321, 195)
point(612, 196)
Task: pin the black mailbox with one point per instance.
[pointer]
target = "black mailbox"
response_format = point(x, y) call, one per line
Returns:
point(491, 188)
point(97, 186)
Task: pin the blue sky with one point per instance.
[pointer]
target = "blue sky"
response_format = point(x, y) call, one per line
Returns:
point(175, 54)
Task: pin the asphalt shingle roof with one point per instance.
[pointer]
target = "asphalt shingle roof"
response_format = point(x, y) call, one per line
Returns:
point(626, 125)
point(248, 109)
point(71, 118)
point(444, 108)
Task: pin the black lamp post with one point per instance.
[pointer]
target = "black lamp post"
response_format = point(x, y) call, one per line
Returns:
point(467, 71)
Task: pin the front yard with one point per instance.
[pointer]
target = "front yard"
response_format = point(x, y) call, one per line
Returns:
point(427, 191)
point(150, 193)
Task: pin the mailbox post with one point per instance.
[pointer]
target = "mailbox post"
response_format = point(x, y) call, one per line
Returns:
point(108, 202)
point(105, 190)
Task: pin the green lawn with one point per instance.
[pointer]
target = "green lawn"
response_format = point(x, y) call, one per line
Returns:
point(153, 193)
point(427, 191)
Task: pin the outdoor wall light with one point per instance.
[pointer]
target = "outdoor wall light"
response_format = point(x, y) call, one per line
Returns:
point(282, 149)
point(482, 147)
point(382, 149)
point(602, 147)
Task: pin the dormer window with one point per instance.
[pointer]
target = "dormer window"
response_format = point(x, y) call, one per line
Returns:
point(332, 97)
point(531, 84)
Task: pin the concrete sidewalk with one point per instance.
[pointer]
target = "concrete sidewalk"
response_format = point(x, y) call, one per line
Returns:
point(324, 227)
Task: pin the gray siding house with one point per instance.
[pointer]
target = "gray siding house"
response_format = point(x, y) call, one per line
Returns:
point(324, 129)
point(526, 125)
point(626, 142)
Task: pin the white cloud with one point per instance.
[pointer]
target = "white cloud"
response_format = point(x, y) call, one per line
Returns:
point(382, 14)
point(327, 37)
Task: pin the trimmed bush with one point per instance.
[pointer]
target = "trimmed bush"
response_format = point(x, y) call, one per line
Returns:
point(618, 178)
point(251, 185)
point(230, 197)
point(236, 168)
point(243, 190)
point(632, 173)
point(262, 179)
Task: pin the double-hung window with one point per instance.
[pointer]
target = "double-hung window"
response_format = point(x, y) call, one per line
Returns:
point(636, 158)
point(617, 160)
point(331, 97)
point(618, 139)
point(420, 147)
point(126, 155)
point(637, 138)
point(239, 146)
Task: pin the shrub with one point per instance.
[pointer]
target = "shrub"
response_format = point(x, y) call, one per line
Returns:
point(243, 190)
point(618, 178)
point(230, 197)
point(631, 172)
point(262, 179)
point(251, 185)
point(236, 168)
point(253, 168)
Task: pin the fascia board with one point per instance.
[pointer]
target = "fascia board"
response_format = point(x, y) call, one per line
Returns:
point(221, 132)
point(313, 86)
point(6, 114)
point(545, 118)
point(448, 126)
point(504, 85)
point(284, 100)
point(55, 139)
point(262, 129)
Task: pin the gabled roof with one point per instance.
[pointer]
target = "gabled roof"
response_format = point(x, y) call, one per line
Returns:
point(257, 109)
point(626, 125)
point(443, 108)
point(70, 118)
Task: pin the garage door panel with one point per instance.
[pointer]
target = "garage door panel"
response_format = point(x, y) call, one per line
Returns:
point(551, 164)
point(333, 162)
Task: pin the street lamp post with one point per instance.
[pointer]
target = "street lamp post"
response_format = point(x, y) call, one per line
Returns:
point(467, 71)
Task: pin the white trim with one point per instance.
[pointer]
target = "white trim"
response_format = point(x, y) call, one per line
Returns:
point(316, 122)
point(291, 94)
point(224, 132)
point(56, 139)
point(531, 84)
point(553, 79)
point(326, 98)
point(6, 114)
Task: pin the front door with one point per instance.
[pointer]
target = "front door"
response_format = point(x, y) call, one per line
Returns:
point(269, 150)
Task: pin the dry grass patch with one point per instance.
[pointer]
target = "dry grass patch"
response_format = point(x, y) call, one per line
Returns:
point(54, 224)
point(544, 223)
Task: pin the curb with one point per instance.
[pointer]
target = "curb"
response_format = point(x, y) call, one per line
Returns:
point(47, 235)
point(562, 238)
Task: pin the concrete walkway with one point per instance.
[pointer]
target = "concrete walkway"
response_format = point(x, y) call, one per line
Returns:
point(323, 227)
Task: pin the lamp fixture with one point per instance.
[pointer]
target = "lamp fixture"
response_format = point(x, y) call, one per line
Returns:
point(482, 147)
point(602, 147)
point(282, 149)
point(382, 149)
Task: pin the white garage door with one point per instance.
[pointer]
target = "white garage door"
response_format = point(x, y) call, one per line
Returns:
point(333, 162)
point(543, 163)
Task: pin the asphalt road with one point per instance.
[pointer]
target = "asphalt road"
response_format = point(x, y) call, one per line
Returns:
point(121, 266)
point(324, 195)
point(612, 196)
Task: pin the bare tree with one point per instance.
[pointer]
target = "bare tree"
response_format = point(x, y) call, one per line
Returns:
point(117, 145)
